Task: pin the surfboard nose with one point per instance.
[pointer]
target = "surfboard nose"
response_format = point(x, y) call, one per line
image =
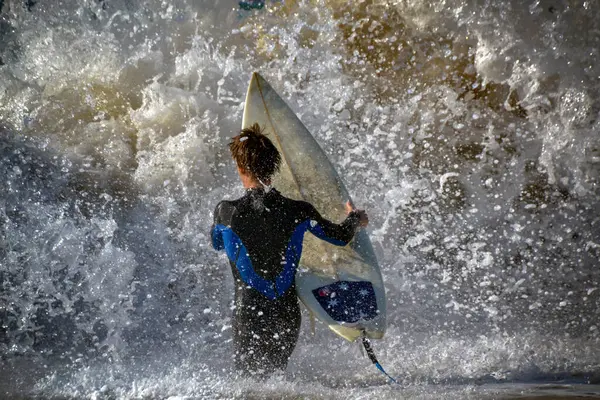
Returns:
point(255, 77)
point(257, 81)
point(254, 82)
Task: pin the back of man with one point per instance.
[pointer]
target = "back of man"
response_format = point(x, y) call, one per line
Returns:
point(265, 330)
point(262, 234)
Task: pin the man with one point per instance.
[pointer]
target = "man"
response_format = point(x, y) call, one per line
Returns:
point(262, 234)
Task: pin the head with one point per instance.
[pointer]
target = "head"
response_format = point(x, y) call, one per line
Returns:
point(255, 155)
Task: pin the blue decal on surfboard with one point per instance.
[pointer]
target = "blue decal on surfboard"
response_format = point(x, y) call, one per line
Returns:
point(347, 301)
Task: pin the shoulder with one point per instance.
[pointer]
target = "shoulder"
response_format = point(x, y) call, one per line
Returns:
point(224, 209)
point(303, 207)
point(224, 205)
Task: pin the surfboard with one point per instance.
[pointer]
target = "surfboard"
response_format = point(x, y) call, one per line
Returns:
point(341, 286)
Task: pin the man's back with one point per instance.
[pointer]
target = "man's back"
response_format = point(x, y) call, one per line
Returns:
point(270, 228)
point(265, 223)
point(262, 234)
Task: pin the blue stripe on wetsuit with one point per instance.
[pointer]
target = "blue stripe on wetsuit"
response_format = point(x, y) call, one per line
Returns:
point(237, 253)
point(318, 231)
point(292, 257)
point(223, 237)
point(217, 237)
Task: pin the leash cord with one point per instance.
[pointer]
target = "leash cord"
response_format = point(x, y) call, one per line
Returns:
point(373, 358)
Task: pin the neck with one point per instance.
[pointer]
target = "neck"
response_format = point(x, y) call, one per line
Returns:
point(250, 182)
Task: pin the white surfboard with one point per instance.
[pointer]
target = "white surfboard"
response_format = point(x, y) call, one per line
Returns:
point(341, 286)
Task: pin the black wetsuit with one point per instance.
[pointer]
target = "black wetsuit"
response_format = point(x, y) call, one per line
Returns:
point(262, 235)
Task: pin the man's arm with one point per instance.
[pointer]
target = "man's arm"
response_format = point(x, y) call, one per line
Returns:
point(215, 231)
point(338, 234)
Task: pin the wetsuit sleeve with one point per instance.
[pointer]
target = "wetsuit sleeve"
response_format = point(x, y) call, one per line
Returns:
point(216, 232)
point(337, 234)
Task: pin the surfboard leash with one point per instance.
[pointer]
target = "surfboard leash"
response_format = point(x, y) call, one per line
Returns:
point(367, 344)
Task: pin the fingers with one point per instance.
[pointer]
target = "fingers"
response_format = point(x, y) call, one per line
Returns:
point(349, 207)
point(363, 217)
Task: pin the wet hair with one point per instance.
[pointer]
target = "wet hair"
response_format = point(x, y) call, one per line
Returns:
point(255, 153)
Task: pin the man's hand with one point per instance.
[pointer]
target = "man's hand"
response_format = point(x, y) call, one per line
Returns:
point(362, 215)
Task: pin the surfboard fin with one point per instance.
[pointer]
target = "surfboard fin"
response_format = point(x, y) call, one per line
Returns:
point(312, 323)
point(373, 358)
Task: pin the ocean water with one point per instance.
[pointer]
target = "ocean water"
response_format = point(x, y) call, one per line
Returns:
point(468, 129)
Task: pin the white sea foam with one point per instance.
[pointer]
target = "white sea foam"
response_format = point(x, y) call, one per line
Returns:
point(483, 216)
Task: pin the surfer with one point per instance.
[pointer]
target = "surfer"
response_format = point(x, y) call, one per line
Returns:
point(262, 234)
